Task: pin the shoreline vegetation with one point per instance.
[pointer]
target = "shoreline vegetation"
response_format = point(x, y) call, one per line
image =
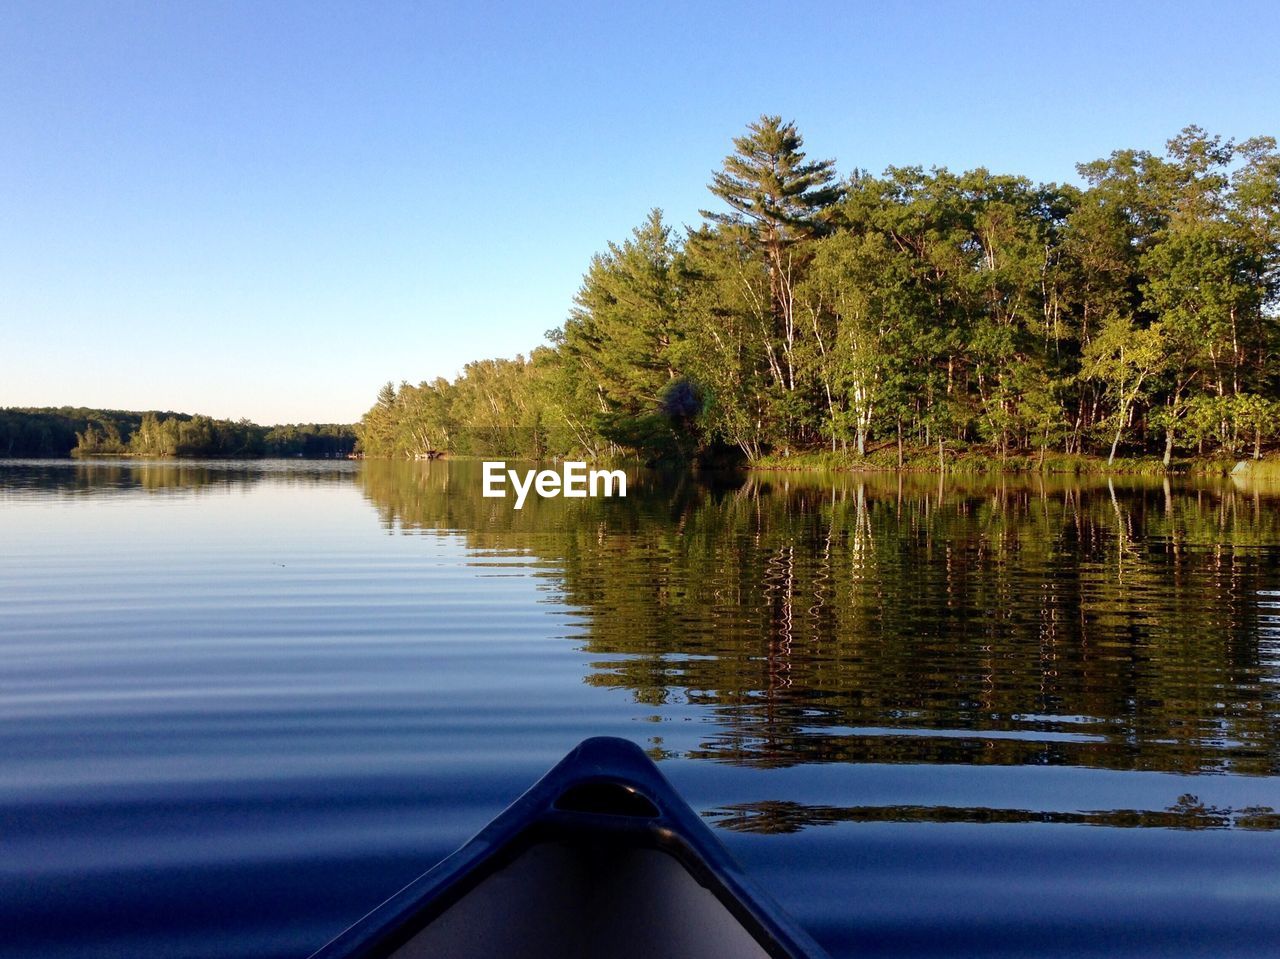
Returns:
point(918, 319)
point(80, 432)
point(987, 461)
point(924, 461)
point(108, 434)
point(971, 462)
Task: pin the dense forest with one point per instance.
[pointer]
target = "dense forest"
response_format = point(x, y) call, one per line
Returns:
point(908, 313)
point(69, 431)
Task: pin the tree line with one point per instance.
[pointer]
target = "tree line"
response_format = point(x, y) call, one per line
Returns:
point(71, 431)
point(1133, 314)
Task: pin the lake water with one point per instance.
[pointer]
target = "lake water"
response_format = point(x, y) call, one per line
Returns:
point(241, 703)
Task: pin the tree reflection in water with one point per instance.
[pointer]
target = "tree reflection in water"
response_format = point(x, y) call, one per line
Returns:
point(1122, 623)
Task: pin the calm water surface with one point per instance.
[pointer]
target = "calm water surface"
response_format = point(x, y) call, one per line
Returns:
point(240, 703)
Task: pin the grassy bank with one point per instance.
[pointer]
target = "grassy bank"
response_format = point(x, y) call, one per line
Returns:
point(976, 460)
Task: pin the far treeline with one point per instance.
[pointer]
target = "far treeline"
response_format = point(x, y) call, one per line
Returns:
point(916, 313)
point(68, 431)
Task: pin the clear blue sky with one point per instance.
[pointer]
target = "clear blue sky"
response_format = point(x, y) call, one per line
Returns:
point(269, 209)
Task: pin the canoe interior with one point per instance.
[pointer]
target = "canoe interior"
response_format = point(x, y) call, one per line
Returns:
point(583, 900)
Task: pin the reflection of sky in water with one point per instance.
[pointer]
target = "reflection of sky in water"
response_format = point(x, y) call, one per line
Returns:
point(1269, 633)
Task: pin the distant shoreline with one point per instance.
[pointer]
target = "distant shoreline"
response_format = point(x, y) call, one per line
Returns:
point(58, 432)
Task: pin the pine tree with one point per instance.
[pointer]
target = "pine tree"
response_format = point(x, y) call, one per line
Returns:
point(775, 192)
point(778, 198)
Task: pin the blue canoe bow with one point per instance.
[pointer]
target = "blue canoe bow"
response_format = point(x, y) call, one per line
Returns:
point(600, 858)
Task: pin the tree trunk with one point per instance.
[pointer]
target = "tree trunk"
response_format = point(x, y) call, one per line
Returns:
point(831, 406)
point(1114, 443)
point(1168, 446)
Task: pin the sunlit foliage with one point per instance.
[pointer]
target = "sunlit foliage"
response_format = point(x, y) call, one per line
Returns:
point(1138, 313)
